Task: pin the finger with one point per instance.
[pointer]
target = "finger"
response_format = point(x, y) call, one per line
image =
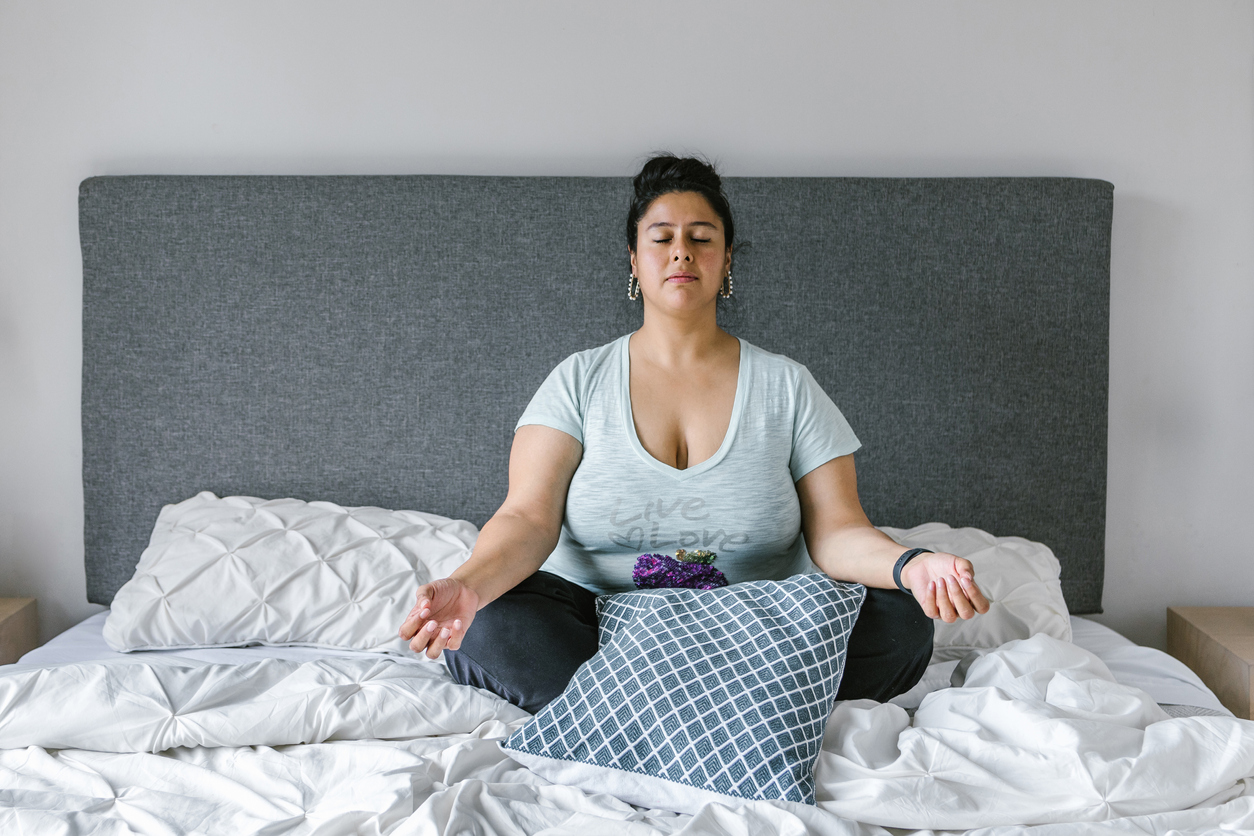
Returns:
point(415, 618)
point(436, 647)
point(455, 641)
point(962, 566)
point(423, 637)
point(422, 599)
point(943, 603)
point(927, 600)
point(974, 595)
point(423, 607)
point(409, 626)
point(958, 597)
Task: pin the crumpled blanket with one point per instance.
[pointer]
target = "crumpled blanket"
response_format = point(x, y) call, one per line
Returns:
point(1038, 739)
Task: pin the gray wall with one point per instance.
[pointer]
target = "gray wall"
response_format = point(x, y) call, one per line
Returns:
point(1157, 97)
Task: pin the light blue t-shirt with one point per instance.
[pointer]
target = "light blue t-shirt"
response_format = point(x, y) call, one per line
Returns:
point(740, 503)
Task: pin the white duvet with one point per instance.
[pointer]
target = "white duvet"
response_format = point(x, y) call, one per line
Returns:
point(1038, 737)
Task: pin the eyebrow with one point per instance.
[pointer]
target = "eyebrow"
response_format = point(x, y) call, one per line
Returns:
point(694, 223)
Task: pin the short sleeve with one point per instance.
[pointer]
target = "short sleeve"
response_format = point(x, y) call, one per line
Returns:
point(820, 432)
point(556, 403)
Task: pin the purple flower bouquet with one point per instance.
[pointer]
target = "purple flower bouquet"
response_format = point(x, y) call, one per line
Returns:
point(661, 571)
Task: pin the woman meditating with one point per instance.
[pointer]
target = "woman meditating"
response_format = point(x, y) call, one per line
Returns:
point(677, 436)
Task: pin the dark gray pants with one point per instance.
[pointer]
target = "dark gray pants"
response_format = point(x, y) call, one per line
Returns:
point(526, 645)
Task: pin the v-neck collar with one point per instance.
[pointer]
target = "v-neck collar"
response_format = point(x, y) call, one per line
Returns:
point(742, 385)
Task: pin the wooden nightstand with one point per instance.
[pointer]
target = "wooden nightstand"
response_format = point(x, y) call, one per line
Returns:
point(19, 628)
point(1218, 644)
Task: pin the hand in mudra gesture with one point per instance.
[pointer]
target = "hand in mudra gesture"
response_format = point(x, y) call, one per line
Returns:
point(441, 616)
point(944, 585)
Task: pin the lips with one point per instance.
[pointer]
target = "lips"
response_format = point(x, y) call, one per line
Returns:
point(681, 278)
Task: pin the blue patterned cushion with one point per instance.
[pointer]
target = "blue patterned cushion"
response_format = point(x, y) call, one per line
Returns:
point(700, 695)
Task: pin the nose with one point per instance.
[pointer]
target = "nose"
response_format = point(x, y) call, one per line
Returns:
point(681, 253)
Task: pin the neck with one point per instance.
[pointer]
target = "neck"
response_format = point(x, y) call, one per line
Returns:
point(668, 339)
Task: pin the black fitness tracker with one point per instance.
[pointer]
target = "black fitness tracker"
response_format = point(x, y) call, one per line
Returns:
point(901, 564)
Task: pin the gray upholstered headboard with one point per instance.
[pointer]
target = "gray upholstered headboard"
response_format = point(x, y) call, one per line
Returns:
point(371, 340)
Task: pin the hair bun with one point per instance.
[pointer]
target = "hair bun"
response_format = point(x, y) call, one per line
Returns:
point(665, 174)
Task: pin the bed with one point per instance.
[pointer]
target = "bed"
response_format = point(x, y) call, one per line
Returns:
point(368, 342)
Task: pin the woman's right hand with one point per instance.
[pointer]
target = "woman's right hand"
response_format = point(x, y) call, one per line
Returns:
point(441, 617)
point(512, 545)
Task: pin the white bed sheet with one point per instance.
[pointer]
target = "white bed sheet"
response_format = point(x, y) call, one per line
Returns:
point(84, 642)
point(960, 764)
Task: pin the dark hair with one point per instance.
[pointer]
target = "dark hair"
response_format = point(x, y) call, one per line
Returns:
point(666, 174)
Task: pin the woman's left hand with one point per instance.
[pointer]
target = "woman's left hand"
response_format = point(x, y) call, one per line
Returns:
point(944, 585)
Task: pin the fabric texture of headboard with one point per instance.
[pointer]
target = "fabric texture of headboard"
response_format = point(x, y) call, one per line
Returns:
point(372, 340)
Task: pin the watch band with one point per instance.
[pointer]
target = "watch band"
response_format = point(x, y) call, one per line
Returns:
point(901, 564)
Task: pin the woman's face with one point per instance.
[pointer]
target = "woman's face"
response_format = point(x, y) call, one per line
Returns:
point(681, 253)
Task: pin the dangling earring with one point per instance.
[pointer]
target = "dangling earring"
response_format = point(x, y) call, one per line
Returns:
point(727, 283)
point(633, 287)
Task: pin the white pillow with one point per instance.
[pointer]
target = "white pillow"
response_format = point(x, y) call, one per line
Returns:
point(220, 572)
point(1019, 578)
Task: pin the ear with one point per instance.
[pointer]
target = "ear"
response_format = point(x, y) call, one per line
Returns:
point(632, 255)
point(727, 262)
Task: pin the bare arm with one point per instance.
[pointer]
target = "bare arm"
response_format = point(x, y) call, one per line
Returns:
point(511, 546)
point(843, 543)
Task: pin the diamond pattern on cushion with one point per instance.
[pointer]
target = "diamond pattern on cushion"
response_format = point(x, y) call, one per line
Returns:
point(241, 570)
point(724, 690)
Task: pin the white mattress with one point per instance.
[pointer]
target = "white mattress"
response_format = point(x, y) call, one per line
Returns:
point(1166, 679)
